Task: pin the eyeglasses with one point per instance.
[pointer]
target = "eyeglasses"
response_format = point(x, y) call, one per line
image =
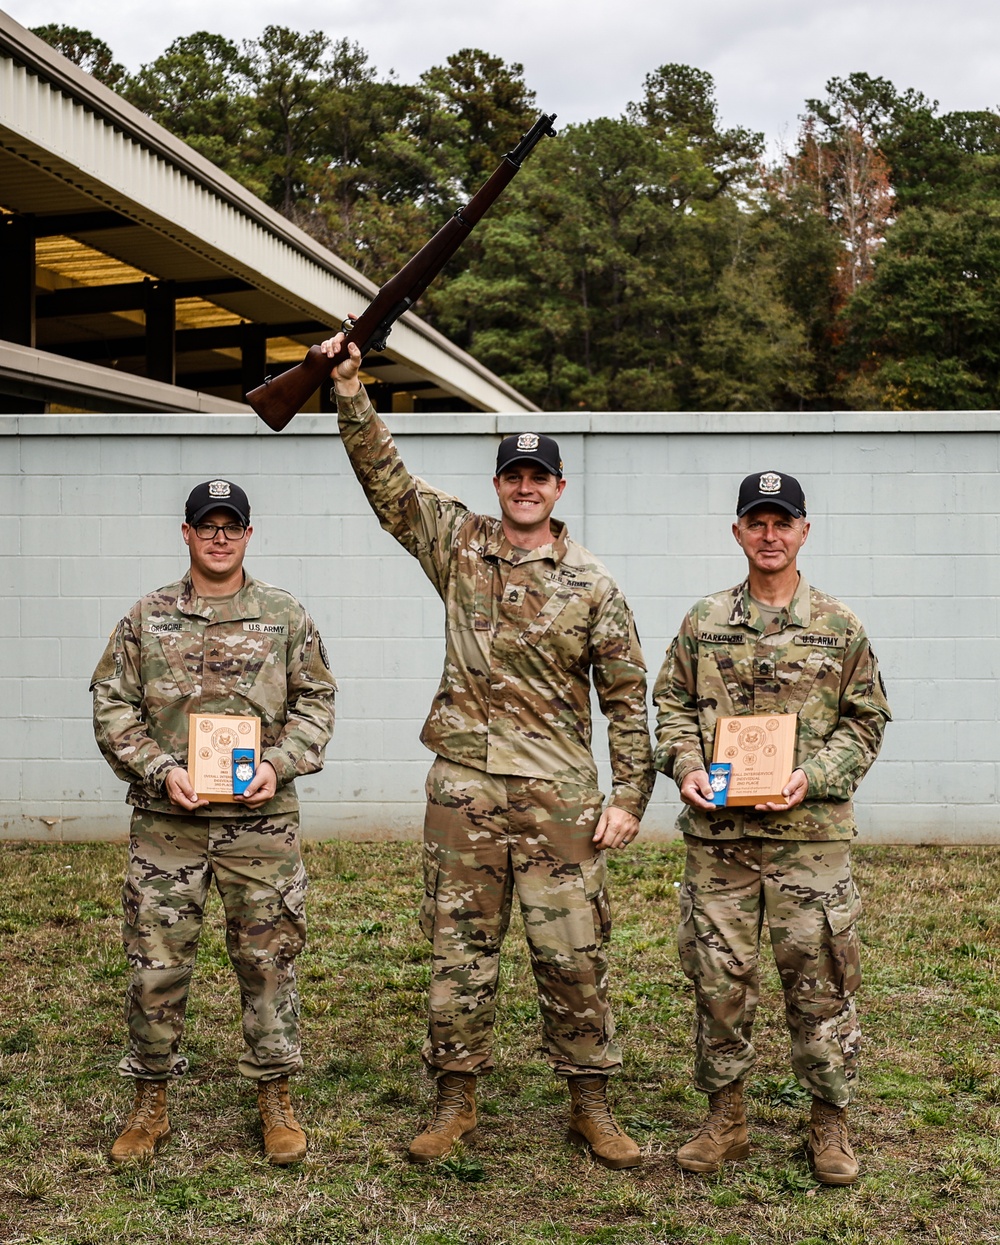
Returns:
point(231, 531)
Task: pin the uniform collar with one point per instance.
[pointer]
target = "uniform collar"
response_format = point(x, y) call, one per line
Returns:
point(745, 613)
point(246, 603)
point(498, 546)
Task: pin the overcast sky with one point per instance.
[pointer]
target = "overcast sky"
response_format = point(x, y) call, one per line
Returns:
point(588, 58)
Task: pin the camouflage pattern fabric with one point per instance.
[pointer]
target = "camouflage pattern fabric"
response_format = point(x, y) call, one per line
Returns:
point(260, 878)
point(813, 660)
point(524, 633)
point(175, 654)
point(486, 837)
point(806, 892)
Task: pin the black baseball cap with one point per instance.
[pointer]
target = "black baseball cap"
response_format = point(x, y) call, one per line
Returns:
point(771, 488)
point(529, 447)
point(216, 495)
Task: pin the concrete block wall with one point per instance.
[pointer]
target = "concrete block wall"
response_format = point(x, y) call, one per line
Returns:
point(905, 529)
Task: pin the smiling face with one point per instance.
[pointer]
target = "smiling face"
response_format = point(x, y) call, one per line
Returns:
point(218, 560)
point(771, 539)
point(527, 494)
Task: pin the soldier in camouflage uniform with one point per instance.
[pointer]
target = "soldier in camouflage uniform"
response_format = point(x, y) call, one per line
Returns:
point(512, 798)
point(217, 642)
point(772, 645)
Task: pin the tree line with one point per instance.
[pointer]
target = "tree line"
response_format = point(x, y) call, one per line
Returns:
point(652, 261)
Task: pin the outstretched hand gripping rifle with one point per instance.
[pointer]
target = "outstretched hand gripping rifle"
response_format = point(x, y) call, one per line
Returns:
point(278, 399)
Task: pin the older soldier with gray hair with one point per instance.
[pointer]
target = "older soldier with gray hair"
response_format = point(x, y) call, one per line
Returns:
point(217, 642)
point(772, 645)
point(512, 798)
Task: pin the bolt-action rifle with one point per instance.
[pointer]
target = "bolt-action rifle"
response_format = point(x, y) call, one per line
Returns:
point(278, 399)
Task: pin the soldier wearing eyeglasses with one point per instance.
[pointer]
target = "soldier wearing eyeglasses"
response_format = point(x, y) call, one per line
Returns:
point(217, 642)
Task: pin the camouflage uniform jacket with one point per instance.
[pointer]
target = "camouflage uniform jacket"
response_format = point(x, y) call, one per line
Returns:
point(813, 660)
point(523, 633)
point(174, 654)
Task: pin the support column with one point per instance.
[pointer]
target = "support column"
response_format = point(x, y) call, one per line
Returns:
point(253, 355)
point(161, 359)
point(17, 279)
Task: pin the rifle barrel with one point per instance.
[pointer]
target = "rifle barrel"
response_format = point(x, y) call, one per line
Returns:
point(279, 398)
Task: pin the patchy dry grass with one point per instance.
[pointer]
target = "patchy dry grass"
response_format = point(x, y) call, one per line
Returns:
point(927, 1125)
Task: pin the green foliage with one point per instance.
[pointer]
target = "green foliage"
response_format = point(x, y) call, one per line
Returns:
point(922, 334)
point(22, 1040)
point(646, 262)
point(200, 89)
point(84, 49)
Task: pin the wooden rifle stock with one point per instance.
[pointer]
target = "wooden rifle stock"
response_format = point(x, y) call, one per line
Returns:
point(278, 399)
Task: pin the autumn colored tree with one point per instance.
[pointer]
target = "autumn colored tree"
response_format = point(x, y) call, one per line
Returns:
point(646, 262)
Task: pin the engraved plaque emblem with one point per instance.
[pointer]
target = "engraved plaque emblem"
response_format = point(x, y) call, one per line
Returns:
point(762, 756)
point(212, 739)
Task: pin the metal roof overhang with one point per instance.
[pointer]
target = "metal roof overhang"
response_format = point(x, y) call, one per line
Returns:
point(114, 198)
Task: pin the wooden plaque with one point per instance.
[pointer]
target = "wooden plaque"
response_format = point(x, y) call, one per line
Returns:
point(211, 740)
point(761, 751)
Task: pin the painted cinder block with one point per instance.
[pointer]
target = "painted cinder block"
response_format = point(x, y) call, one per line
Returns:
point(24, 655)
point(57, 616)
point(905, 529)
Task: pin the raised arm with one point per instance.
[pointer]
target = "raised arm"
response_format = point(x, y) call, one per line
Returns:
point(423, 519)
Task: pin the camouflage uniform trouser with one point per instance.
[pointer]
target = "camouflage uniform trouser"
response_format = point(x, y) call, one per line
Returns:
point(259, 874)
point(485, 836)
point(811, 903)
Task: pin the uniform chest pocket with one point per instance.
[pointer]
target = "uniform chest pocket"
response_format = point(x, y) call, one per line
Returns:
point(471, 594)
point(166, 676)
point(561, 627)
point(262, 681)
point(815, 695)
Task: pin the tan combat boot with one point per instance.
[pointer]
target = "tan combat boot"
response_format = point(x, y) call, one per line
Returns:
point(591, 1121)
point(284, 1140)
point(454, 1116)
point(723, 1135)
point(147, 1127)
point(830, 1155)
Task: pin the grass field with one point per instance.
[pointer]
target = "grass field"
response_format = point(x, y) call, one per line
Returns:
point(927, 1125)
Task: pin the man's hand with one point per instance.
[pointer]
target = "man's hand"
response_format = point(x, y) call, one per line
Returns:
point(696, 790)
point(345, 374)
point(178, 787)
point(794, 792)
point(261, 789)
point(616, 828)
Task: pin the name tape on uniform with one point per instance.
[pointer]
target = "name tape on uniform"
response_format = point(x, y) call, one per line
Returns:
point(163, 628)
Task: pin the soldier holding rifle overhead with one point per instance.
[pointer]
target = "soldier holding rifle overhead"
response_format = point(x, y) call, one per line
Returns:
point(772, 645)
point(512, 798)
